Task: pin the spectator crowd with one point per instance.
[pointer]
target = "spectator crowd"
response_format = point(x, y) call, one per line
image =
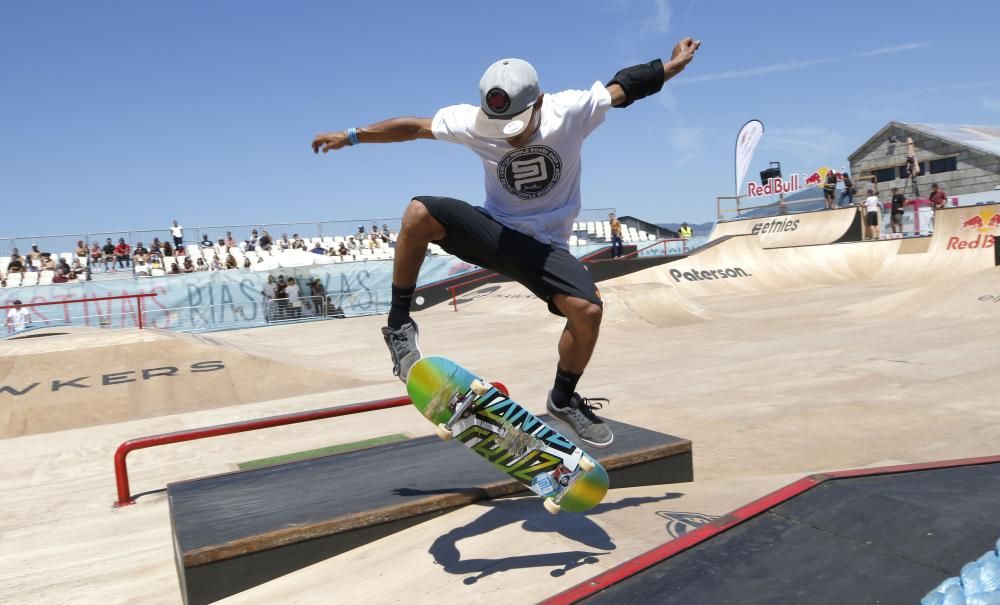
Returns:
point(174, 257)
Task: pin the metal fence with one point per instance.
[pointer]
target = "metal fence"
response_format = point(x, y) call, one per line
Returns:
point(67, 242)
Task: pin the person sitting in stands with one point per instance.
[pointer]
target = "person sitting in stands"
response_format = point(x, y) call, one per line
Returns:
point(343, 250)
point(200, 265)
point(122, 253)
point(139, 250)
point(95, 253)
point(79, 271)
point(174, 269)
point(168, 250)
point(16, 264)
point(34, 254)
point(284, 243)
point(221, 245)
point(298, 243)
point(142, 268)
point(188, 265)
point(48, 263)
point(205, 243)
point(216, 264)
point(253, 242)
point(266, 241)
point(156, 246)
point(108, 255)
point(231, 262)
point(246, 262)
point(375, 241)
point(230, 242)
point(318, 249)
point(352, 244)
point(81, 249)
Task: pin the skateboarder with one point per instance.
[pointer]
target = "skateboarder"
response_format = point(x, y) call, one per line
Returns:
point(529, 143)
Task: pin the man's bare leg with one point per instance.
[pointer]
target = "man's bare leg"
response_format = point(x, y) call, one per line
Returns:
point(579, 337)
point(419, 229)
point(576, 345)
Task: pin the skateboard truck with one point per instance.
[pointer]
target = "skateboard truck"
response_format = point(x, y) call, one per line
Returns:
point(461, 406)
point(552, 503)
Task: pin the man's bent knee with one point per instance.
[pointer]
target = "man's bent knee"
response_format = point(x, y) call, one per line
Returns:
point(418, 219)
point(579, 310)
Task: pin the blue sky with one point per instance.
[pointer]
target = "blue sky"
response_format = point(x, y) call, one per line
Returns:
point(128, 114)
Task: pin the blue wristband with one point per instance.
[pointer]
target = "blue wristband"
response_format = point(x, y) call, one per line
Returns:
point(352, 136)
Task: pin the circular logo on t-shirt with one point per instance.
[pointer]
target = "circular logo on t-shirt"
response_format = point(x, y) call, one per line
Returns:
point(530, 172)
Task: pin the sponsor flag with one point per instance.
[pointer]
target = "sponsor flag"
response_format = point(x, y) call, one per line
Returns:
point(746, 143)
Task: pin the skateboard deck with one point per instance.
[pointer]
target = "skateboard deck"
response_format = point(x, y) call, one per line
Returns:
point(498, 429)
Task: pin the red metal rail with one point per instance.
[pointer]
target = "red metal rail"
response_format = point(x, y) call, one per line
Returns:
point(125, 497)
point(72, 301)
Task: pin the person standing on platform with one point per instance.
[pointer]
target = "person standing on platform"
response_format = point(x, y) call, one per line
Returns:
point(617, 243)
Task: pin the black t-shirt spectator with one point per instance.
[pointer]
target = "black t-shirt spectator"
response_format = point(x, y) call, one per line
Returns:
point(898, 201)
point(109, 249)
point(15, 265)
point(265, 242)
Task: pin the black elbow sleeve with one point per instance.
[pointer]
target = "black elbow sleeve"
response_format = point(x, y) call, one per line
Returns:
point(639, 81)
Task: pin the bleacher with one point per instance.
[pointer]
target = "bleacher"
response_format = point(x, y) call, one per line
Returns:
point(584, 233)
point(592, 232)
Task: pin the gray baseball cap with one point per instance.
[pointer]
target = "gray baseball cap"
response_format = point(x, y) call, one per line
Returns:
point(507, 94)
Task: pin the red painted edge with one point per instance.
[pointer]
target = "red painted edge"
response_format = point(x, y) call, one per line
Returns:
point(744, 513)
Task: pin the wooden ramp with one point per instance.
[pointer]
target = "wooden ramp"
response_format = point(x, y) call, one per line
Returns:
point(234, 531)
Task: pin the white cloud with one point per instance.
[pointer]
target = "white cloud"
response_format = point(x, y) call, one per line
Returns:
point(659, 22)
point(687, 144)
point(990, 103)
point(794, 65)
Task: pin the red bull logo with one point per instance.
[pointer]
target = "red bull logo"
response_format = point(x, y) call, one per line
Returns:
point(983, 222)
point(813, 179)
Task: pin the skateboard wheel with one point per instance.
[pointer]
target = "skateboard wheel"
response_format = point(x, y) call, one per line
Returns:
point(551, 505)
point(443, 432)
point(479, 387)
point(586, 464)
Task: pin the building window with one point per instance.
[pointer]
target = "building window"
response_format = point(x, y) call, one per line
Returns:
point(885, 175)
point(944, 165)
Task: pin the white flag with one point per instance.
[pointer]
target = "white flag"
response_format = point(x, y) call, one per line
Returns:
point(746, 143)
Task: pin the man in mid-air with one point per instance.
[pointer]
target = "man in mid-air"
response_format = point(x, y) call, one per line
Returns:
point(530, 144)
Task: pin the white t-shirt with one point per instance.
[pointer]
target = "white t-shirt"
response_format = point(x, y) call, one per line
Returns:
point(20, 318)
point(535, 189)
point(871, 203)
point(176, 231)
point(292, 292)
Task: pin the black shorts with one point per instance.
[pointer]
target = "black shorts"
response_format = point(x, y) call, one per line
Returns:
point(872, 219)
point(475, 237)
point(828, 193)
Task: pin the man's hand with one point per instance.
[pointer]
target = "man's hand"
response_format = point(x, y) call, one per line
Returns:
point(684, 51)
point(329, 141)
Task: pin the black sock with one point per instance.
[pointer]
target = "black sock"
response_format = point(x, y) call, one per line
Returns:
point(564, 387)
point(399, 310)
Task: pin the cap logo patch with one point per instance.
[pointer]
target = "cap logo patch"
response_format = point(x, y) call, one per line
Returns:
point(497, 100)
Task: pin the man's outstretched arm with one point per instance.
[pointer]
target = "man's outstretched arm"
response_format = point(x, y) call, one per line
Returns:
point(634, 83)
point(394, 130)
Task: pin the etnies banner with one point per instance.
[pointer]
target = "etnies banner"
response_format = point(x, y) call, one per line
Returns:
point(746, 143)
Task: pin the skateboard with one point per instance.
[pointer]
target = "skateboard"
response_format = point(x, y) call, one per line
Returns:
point(484, 419)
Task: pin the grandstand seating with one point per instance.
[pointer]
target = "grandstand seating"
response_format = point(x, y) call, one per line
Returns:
point(589, 232)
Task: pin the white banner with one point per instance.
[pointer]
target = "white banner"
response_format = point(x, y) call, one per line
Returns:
point(746, 143)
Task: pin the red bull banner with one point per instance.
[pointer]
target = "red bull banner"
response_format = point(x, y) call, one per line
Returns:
point(746, 144)
point(793, 183)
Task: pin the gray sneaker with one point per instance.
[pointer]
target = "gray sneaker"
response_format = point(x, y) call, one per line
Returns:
point(402, 345)
point(580, 416)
